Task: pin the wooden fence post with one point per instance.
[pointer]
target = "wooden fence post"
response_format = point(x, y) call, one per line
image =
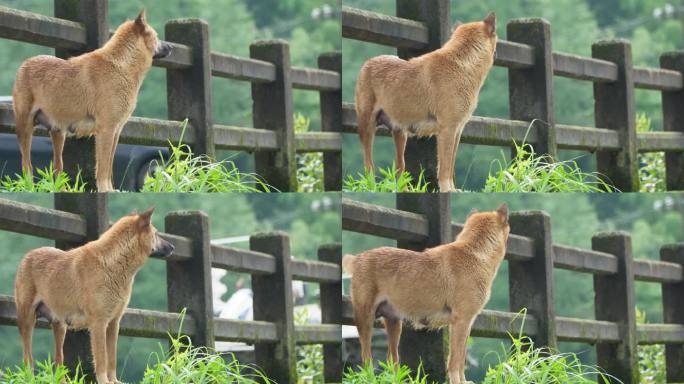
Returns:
point(272, 110)
point(421, 153)
point(614, 109)
point(273, 303)
point(93, 208)
point(189, 282)
point(79, 154)
point(673, 121)
point(331, 313)
point(331, 121)
point(531, 283)
point(531, 89)
point(614, 301)
point(189, 90)
point(673, 313)
point(426, 347)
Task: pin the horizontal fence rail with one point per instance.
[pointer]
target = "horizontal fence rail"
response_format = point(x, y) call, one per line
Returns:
point(611, 140)
point(268, 262)
point(610, 260)
point(202, 135)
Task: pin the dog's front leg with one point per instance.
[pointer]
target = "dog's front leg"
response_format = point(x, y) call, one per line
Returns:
point(445, 150)
point(400, 138)
point(459, 330)
point(103, 147)
point(98, 345)
point(112, 337)
point(59, 331)
point(57, 149)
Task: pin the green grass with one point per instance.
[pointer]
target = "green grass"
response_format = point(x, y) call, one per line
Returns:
point(44, 180)
point(309, 165)
point(652, 164)
point(181, 364)
point(521, 363)
point(531, 172)
point(185, 172)
point(387, 181)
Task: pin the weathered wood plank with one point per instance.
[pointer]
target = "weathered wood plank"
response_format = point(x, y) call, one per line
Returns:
point(660, 141)
point(657, 79)
point(240, 68)
point(513, 55)
point(585, 138)
point(42, 30)
point(497, 324)
point(180, 57)
point(242, 260)
point(318, 142)
point(584, 260)
point(41, 222)
point(517, 248)
point(385, 222)
point(244, 331)
point(315, 79)
point(660, 333)
point(245, 139)
point(382, 29)
point(316, 271)
point(588, 331)
point(657, 271)
point(183, 246)
point(155, 132)
point(584, 68)
point(318, 334)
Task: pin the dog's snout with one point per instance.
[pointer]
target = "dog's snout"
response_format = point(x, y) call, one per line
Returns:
point(164, 249)
point(163, 50)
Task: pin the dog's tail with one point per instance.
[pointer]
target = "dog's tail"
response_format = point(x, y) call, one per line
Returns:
point(348, 263)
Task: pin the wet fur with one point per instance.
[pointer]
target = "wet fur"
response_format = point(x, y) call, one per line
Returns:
point(433, 94)
point(442, 286)
point(86, 288)
point(89, 95)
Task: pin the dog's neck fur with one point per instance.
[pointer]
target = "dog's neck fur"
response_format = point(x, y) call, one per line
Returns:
point(465, 49)
point(121, 50)
point(120, 258)
point(481, 238)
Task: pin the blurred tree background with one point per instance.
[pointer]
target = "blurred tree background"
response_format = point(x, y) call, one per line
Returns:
point(575, 26)
point(312, 27)
point(652, 220)
point(311, 220)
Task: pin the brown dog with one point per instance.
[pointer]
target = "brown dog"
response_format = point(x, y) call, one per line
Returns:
point(433, 94)
point(92, 94)
point(86, 288)
point(445, 285)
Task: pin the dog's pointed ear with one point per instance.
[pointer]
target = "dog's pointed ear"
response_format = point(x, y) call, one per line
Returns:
point(141, 21)
point(145, 218)
point(502, 211)
point(472, 212)
point(490, 23)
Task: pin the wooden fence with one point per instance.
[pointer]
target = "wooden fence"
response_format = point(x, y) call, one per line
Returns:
point(425, 25)
point(190, 67)
point(78, 218)
point(424, 220)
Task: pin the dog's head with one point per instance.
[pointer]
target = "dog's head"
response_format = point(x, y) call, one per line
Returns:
point(145, 38)
point(479, 33)
point(148, 239)
point(491, 225)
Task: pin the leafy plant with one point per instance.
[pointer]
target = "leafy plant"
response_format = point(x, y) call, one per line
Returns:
point(651, 359)
point(46, 373)
point(386, 182)
point(388, 374)
point(530, 172)
point(652, 164)
point(309, 165)
point(522, 363)
point(45, 180)
point(309, 357)
point(185, 172)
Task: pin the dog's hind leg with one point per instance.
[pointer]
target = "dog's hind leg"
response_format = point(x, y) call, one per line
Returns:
point(58, 137)
point(59, 330)
point(24, 130)
point(393, 329)
point(400, 138)
point(365, 117)
point(26, 318)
